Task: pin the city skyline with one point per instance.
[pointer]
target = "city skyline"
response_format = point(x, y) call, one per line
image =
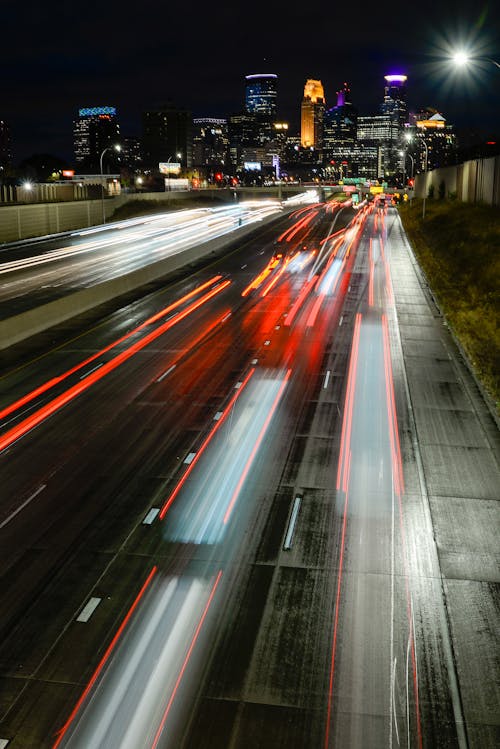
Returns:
point(126, 61)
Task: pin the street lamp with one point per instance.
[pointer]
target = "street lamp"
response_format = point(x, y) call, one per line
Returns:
point(178, 156)
point(409, 138)
point(115, 147)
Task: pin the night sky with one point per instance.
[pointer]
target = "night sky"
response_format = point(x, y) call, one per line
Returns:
point(58, 56)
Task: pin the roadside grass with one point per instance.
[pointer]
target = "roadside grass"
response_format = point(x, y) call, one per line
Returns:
point(458, 247)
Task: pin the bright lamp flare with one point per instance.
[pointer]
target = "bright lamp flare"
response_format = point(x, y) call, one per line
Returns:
point(461, 58)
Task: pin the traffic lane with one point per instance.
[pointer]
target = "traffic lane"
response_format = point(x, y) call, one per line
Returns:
point(236, 545)
point(70, 447)
point(239, 263)
point(96, 361)
point(162, 703)
point(370, 630)
point(269, 671)
point(104, 259)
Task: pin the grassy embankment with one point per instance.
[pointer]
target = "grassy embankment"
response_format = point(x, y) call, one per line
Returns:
point(458, 247)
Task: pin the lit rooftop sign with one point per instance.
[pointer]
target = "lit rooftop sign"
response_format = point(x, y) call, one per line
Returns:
point(396, 78)
point(261, 75)
point(96, 111)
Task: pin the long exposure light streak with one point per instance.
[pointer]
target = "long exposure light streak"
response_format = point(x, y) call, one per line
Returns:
point(104, 659)
point(255, 448)
point(186, 661)
point(60, 378)
point(205, 443)
point(58, 402)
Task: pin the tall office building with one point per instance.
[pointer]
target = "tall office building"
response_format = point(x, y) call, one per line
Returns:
point(210, 143)
point(5, 146)
point(339, 128)
point(312, 113)
point(394, 107)
point(95, 129)
point(261, 94)
point(439, 137)
point(394, 103)
point(131, 153)
point(167, 132)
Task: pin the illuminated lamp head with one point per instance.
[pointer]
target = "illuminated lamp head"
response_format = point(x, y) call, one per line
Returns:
point(396, 78)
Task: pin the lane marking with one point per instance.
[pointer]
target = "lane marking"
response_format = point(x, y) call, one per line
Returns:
point(90, 371)
point(189, 458)
point(88, 610)
point(21, 507)
point(327, 380)
point(291, 525)
point(394, 701)
point(4, 743)
point(170, 369)
point(341, 320)
point(392, 658)
point(152, 514)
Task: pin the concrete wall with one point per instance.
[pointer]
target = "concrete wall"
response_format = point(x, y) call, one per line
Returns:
point(476, 181)
point(19, 222)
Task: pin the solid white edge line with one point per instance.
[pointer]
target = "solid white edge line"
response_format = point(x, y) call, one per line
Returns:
point(21, 507)
point(291, 525)
point(327, 380)
point(88, 610)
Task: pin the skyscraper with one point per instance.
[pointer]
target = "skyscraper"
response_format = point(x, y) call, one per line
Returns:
point(394, 108)
point(166, 132)
point(312, 112)
point(394, 103)
point(339, 129)
point(95, 129)
point(261, 94)
point(210, 143)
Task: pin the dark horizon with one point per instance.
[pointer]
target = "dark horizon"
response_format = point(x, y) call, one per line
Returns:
point(114, 59)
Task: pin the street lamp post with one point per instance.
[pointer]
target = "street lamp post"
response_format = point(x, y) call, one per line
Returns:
point(425, 172)
point(409, 138)
point(116, 147)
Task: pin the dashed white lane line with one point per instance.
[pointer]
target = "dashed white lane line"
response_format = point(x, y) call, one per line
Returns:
point(21, 507)
point(88, 610)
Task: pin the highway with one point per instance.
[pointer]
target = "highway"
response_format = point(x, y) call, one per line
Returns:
point(36, 273)
point(255, 508)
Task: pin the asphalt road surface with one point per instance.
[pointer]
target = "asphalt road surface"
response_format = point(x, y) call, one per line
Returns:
point(257, 508)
